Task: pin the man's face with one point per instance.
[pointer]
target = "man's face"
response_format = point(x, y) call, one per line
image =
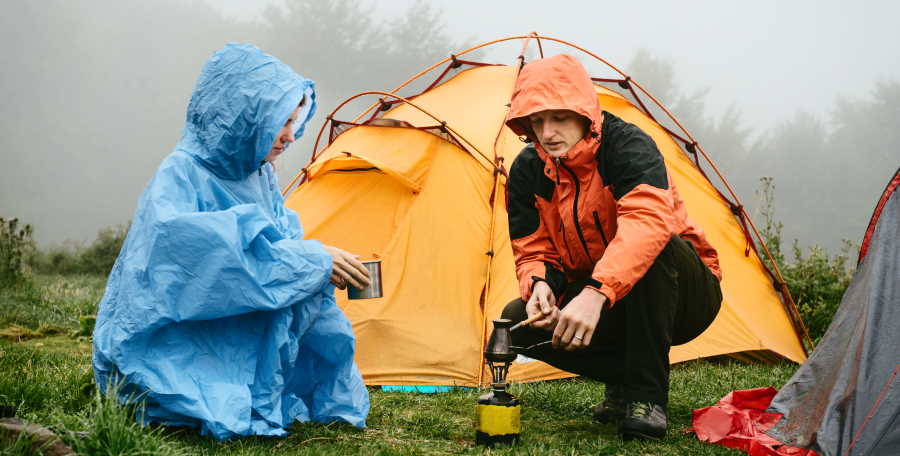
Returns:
point(557, 130)
point(285, 136)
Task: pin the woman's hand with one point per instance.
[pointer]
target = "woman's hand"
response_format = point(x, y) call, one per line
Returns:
point(542, 301)
point(337, 281)
point(347, 270)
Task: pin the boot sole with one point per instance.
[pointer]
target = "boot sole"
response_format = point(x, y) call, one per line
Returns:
point(632, 435)
point(609, 418)
point(636, 435)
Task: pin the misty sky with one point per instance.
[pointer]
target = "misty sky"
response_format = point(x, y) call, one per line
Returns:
point(59, 88)
point(768, 57)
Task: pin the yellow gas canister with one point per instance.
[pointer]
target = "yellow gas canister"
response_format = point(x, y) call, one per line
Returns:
point(497, 414)
point(498, 419)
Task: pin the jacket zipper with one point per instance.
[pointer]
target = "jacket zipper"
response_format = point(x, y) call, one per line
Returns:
point(575, 207)
point(562, 230)
point(562, 226)
point(600, 227)
point(557, 171)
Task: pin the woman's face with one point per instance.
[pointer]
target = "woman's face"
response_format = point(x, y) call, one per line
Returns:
point(285, 135)
point(557, 130)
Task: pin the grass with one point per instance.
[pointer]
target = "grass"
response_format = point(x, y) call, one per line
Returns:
point(51, 301)
point(21, 445)
point(44, 377)
point(105, 427)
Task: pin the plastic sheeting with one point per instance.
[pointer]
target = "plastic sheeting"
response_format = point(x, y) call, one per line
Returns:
point(845, 400)
point(217, 313)
point(739, 421)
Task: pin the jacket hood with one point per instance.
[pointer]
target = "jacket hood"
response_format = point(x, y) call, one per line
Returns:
point(242, 100)
point(558, 82)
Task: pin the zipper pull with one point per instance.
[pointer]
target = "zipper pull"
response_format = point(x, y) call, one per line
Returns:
point(557, 170)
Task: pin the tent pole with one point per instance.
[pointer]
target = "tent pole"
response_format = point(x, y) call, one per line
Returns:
point(792, 307)
point(499, 169)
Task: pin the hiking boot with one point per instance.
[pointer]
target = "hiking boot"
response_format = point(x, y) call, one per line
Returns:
point(612, 409)
point(643, 420)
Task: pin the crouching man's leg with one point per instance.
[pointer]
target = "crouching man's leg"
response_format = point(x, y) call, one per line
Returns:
point(673, 303)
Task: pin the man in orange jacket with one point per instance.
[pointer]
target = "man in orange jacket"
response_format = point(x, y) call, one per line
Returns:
point(603, 246)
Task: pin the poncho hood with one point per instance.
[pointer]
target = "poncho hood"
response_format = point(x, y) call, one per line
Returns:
point(242, 99)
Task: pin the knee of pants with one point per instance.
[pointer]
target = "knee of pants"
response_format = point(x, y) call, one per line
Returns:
point(515, 311)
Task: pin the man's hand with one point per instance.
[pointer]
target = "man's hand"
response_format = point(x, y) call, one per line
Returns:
point(543, 302)
point(347, 269)
point(578, 320)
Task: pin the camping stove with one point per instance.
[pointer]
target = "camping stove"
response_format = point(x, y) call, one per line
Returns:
point(498, 411)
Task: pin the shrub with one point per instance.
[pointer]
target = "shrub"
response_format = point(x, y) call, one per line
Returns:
point(74, 258)
point(15, 243)
point(817, 280)
point(100, 256)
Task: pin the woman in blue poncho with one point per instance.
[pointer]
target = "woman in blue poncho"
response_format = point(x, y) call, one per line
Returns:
point(217, 313)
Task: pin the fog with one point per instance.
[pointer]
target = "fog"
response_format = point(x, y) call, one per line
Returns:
point(94, 92)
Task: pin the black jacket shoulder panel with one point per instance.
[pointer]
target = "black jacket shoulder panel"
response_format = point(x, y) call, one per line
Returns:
point(628, 157)
point(526, 181)
point(529, 168)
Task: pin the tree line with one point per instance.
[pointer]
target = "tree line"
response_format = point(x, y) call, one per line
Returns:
point(829, 170)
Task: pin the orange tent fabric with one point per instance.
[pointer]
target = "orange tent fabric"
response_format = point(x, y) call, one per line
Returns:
point(430, 203)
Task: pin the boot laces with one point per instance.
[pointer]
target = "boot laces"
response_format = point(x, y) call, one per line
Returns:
point(641, 409)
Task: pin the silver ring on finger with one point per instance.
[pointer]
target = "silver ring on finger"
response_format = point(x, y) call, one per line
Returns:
point(579, 338)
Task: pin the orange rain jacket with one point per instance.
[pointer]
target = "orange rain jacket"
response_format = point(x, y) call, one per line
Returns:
point(603, 211)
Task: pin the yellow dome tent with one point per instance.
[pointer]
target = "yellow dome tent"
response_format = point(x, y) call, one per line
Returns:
point(419, 182)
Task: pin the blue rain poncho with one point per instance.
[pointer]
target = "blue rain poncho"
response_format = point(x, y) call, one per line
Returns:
point(217, 313)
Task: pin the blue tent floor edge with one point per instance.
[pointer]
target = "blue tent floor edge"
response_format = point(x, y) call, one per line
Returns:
point(422, 389)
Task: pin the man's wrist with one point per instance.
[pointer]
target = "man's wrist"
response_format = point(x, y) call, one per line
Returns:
point(594, 296)
point(538, 280)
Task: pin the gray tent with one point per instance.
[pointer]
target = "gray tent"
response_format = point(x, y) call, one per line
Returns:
point(845, 400)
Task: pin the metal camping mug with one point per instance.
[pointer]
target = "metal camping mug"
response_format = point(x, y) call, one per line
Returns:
point(374, 289)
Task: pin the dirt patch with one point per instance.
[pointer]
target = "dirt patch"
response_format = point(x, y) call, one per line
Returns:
point(56, 343)
point(18, 333)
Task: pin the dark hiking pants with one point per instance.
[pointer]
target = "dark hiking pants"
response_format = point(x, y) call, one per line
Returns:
point(675, 301)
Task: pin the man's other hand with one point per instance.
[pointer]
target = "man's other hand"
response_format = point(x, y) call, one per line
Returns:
point(578, 320)
point(543, 302)
point(347, 270)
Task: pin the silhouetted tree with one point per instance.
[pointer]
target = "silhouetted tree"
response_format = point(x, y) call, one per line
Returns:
point(725, 138)
point(339, 45)
point(792, 154)
point(94, 94)
point(829, 172)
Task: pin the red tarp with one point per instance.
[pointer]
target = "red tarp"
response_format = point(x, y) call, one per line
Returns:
point(740, 421)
